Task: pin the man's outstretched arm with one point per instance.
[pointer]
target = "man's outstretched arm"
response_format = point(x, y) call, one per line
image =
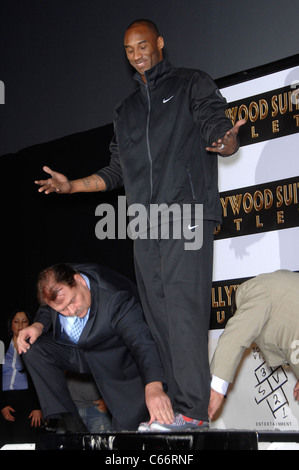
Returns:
point(60, 184)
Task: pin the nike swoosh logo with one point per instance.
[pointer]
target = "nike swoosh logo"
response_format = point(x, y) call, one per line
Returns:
point(193, 226)
point(167, 99)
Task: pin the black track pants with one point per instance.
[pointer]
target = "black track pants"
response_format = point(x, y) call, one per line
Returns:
point(175, 291)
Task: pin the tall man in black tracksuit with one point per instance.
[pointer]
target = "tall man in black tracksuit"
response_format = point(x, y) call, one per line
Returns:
point(168, 133)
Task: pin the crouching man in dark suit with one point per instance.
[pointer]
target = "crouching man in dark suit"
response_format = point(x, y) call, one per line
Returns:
point(114, 345)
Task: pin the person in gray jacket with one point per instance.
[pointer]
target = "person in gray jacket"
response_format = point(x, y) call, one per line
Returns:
point(268, 314)
point(168, 134)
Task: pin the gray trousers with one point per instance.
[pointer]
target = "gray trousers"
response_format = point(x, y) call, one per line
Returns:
point(175, 291)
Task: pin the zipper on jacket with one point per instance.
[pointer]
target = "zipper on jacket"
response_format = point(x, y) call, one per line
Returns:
point(148, 143)
point(191, 182)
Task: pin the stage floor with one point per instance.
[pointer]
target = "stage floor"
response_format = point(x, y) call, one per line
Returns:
point(174, 443)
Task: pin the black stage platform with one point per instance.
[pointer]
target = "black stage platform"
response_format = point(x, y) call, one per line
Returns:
point(175, 442)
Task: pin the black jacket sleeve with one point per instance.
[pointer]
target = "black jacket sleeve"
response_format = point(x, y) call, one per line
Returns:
point(112, 173)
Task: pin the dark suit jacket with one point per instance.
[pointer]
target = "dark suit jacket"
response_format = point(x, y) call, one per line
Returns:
point(116, 343)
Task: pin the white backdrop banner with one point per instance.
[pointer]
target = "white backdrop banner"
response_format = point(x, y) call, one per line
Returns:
point(259, 191)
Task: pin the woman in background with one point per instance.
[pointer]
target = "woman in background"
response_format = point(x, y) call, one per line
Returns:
point(21, 415)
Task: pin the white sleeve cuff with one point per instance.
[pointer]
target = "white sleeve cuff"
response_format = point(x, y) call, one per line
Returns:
point(219, 385)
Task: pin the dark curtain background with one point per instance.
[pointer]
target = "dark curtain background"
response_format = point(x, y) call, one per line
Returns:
point(39, 230)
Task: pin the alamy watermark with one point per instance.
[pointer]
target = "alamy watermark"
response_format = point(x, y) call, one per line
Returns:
point(2, 353)
point(295, 93)
point(295, 354)
point(294, 358)
point(2, 92)
point(157, 221)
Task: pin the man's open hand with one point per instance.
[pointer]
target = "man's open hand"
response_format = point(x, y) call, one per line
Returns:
point(216, 401)
point(58, 183)
point(228, 145)
point(158, 403)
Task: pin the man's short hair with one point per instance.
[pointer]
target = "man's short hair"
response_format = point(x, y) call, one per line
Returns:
point(50, 278)
point(150, 24)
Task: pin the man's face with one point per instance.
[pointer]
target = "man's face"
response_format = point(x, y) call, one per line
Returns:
point(143, 48)
point(72, 301)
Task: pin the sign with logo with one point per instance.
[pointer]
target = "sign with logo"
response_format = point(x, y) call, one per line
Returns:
point(259, 195)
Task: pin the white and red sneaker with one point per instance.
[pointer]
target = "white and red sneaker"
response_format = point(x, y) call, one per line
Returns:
point(180, 423)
